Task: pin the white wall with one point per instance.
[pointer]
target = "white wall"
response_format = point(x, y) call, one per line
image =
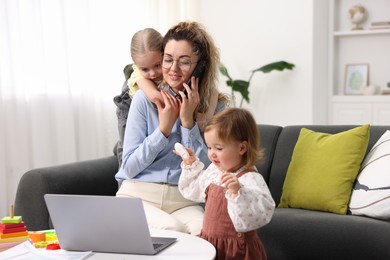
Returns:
point(253, 33)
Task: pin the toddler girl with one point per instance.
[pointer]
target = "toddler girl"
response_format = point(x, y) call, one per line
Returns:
point(238, 201)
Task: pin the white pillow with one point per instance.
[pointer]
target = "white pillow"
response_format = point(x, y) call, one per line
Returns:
point(371, 192)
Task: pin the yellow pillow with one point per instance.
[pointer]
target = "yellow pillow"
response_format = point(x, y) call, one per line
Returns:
point(323, 169)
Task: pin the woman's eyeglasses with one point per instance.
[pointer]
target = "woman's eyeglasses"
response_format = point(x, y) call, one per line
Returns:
point(183, 63)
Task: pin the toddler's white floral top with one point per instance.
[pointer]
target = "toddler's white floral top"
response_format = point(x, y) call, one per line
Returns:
point(251, 209)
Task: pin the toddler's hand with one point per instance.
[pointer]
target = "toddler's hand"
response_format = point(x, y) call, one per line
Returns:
point(185, 153)
point(231, 183)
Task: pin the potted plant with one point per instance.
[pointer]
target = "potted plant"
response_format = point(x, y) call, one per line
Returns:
point(242, 86)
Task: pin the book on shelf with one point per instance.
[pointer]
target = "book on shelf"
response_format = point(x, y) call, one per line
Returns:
point(380, 23)
point(379, 27)
point(385, 92)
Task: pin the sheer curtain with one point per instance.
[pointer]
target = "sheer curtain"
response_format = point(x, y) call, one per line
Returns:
point(61, 63)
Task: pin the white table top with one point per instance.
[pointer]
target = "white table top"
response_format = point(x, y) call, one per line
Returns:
point(186, 247)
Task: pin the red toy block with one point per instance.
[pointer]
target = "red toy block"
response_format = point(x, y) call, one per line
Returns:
point(7, 226)
point(12, 230)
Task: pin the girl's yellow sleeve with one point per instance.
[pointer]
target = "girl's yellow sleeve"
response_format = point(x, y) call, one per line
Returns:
point(132, 81)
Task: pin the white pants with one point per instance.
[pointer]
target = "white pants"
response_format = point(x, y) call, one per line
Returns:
point(165, 207)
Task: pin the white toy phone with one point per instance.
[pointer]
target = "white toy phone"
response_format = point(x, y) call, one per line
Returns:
point(181, 150)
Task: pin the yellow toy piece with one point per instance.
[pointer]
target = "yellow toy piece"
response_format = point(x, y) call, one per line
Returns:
point(41, 244)
point(51, 236)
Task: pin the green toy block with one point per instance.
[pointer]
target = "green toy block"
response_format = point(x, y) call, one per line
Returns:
point(9, 220)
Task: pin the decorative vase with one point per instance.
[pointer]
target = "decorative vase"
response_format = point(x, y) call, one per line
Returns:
point(357, 15)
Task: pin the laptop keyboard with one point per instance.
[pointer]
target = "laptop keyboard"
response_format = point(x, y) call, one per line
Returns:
point(157, 245)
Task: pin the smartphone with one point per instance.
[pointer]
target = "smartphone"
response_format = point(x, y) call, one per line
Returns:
point(197, 73)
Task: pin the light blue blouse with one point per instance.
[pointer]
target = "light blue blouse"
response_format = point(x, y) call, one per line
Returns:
point(147, 154)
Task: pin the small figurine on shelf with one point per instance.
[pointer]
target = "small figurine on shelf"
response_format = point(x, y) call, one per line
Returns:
point(386, 91)
point(357, 15)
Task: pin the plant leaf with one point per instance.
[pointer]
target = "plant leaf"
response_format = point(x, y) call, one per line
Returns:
point(279, 65)
point(241, 86)
point(224, 72)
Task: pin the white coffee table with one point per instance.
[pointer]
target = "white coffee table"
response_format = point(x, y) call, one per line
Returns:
point(186, 247)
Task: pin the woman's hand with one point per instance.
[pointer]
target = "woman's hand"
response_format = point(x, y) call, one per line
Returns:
point(168, 112)
point(189, 104)
point(230, 182)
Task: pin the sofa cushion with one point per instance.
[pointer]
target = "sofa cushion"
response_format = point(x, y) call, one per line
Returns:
point(307, 234)
point(371, 193)
point(323, 169)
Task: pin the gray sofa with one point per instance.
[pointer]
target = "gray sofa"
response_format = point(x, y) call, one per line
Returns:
point(291, 234)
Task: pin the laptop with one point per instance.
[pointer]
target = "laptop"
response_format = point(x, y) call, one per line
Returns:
point(103, 224)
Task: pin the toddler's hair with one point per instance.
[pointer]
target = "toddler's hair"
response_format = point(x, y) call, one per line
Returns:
point(146, 40)
point(238, 124)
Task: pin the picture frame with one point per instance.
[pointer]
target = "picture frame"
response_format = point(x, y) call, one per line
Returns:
point(356, 78)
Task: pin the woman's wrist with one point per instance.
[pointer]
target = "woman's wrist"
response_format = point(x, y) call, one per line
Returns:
point(188, 124)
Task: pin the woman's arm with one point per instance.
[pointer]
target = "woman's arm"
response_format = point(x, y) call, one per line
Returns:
point(143, 139)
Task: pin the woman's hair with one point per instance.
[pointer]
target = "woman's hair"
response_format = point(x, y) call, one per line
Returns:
point(203, 46)
point(238, 124)
point(146, 40)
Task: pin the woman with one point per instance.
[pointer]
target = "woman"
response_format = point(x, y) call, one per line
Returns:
point(150, 170)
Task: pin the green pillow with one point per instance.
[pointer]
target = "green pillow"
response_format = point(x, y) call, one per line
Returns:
point(323, 169)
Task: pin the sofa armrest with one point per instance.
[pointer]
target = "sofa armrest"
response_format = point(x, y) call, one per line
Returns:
point(92, 177)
